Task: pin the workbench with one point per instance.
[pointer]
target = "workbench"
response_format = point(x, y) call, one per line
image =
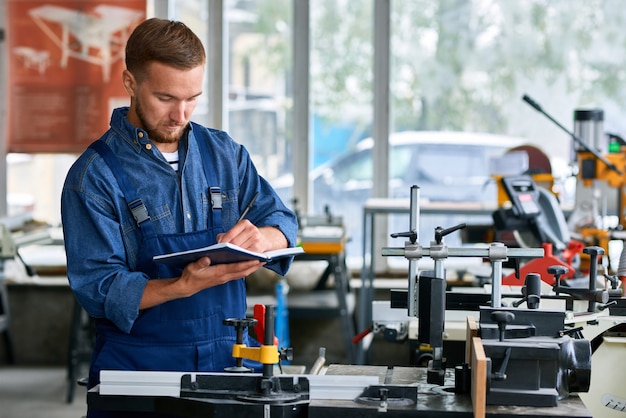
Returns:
point(432, 401)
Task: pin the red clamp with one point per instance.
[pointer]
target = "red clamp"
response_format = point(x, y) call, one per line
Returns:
point(540, 266)
point(259, 328)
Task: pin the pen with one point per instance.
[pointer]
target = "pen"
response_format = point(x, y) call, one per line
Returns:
point(248, 207)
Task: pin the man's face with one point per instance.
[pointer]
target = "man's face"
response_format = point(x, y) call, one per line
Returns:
point(163, 102)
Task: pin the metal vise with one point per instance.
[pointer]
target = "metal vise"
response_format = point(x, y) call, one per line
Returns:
point(533, 361)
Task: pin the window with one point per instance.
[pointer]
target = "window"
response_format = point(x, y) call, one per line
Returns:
point(456, 66)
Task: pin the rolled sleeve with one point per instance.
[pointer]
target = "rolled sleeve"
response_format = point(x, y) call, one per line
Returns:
point(97, 265)
point(121, 305)
point(286, 222)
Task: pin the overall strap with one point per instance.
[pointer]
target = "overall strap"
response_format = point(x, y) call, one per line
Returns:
point(214, 192)
point(134, 202)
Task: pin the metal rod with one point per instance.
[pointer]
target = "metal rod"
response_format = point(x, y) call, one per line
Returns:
point(469, 252)
point(413, 272)
point(496, 284)
point(576, 139)
point(268, 338)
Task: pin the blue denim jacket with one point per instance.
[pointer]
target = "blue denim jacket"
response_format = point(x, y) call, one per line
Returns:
point(101, 235)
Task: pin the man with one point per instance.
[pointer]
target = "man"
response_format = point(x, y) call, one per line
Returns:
point(156, 183)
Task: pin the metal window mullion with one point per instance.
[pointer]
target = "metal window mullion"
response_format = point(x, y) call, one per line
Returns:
point(4, 84)
point(301, 106)
point(217, 76)
point(380, 129)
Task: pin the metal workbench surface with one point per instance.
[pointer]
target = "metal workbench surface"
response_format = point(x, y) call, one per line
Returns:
point(432, 400)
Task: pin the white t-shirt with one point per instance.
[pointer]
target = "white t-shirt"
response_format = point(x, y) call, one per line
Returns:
point(172, 158)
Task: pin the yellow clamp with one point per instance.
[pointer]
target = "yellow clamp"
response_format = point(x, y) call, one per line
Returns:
point(265, 354)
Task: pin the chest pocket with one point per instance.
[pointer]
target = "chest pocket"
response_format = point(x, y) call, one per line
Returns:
point(230, 208)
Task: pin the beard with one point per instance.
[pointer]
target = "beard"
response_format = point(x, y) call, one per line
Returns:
point(161, 137)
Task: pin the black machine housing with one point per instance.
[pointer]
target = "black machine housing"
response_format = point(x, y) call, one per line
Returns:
point(533, 360)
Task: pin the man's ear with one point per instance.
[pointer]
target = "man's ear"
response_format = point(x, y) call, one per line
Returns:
point(130, 84)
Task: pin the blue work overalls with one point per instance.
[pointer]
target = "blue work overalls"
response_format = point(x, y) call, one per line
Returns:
point(181, 335)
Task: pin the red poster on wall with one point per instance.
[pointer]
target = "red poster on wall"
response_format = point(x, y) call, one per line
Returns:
point(65, 64)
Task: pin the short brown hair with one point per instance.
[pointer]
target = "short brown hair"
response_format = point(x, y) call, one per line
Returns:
point(165, 41)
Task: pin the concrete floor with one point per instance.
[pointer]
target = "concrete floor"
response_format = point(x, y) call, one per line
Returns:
point(28, 392)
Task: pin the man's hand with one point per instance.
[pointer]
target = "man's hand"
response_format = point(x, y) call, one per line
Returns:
point(201, 274)
point(246, 235)
point(196, 276)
